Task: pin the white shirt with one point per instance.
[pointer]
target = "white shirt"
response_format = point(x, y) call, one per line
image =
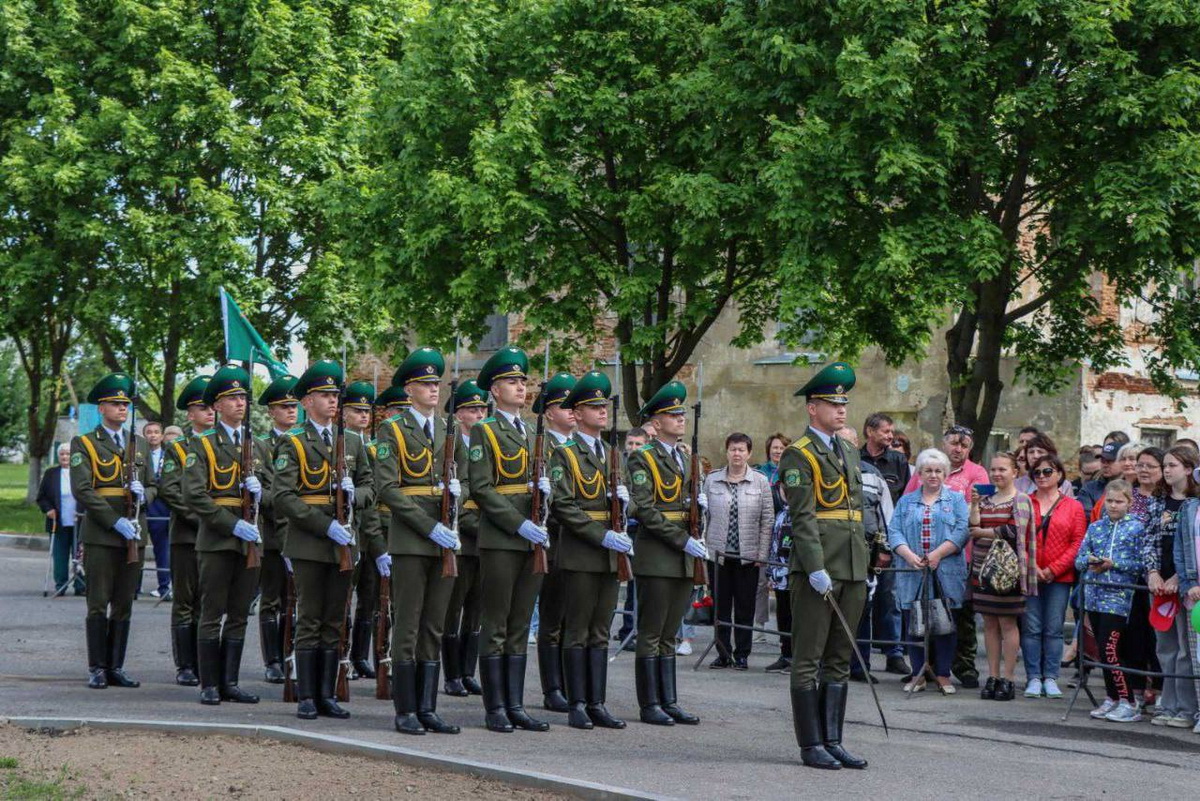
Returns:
point(66, 500)
point(229, 430)
point(511, 418)
point(590, 441)
point(422, 419)
point(321, 431)
point(674, 452)
point(560, 437)
point(278, 433)
point(155, 461)
point(117, 435)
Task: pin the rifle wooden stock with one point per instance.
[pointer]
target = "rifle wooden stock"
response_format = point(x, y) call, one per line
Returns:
point(345, 557)
point(449, 503)
point(342, 688)
point(695, 514)
point(130, 465)
point(289, 646)
point(383, 629)
point(253, 559)
point(541, 565)
point(616, 510)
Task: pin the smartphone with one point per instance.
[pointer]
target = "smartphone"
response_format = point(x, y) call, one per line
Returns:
point(985, 490)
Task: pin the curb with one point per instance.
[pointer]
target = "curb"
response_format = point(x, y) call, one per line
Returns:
point(30, 542)
point(345, 745)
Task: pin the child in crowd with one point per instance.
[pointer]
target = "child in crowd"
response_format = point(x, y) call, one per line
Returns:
point(1111, 553)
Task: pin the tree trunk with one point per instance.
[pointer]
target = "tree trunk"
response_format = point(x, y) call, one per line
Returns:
point(974, 345)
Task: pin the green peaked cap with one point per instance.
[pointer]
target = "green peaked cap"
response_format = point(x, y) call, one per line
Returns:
point(508, 362)
point(392, 396)
point(281, 390)
point(468, 395)
point(423, 364)
point(553, 391)
point(592, 389)
point(323, 376)
point(230, 380)
point(193, 393)
point(117, 387)
point(831, 384)
point(359, 395)
point(668, 400)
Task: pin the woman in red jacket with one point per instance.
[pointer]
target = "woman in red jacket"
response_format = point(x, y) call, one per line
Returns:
point(1059, 525)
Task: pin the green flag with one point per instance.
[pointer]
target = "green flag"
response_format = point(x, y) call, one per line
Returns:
point(242, 342)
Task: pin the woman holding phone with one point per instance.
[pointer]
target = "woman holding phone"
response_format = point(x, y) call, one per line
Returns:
point(1004, 516)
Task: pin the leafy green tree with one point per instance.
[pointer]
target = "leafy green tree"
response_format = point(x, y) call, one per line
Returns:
point(990, 159)
point(568, 162)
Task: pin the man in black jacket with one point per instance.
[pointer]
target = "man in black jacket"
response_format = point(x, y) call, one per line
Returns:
point(55, 500)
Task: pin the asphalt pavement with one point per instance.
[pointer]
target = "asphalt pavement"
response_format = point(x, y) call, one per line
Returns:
point(939, 747)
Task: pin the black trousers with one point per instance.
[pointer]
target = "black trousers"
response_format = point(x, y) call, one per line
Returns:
point(1110, 640)
point(783, 616)
point(734, 594)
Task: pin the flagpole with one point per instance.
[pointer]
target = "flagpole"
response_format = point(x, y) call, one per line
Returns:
point(224, 300)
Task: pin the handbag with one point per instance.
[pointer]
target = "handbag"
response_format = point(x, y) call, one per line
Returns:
point(700, 610)
point(1000, 572)
point(930, 615)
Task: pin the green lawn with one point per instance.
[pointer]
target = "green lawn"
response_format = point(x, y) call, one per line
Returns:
point(14, 514)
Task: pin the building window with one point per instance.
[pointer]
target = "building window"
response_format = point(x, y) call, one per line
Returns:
point(497, 333)
point(1158, 437)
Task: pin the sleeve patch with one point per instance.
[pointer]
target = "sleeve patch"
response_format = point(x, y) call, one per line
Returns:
point(191, 459)
point(170, 466)
point(477, 453)
point(383, 451)
point(791, 478)
point(76, 459)
point(281, 461)
point(640, 477)
point(557, 473)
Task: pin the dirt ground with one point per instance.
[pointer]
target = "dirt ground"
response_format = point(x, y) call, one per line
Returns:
point(95, 764)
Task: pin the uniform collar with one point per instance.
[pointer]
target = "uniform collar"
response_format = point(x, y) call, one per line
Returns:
point(562, 438)
point(420, 418)
point(586, 440)
point(511, 418)
point(228, 430)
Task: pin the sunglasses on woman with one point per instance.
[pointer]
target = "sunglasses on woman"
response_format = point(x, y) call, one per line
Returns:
point(1044, 472)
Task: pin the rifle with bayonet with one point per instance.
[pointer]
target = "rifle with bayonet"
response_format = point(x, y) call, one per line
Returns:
point(133, 502)
point(449, 516)
point(249, 507)
point(616, 509)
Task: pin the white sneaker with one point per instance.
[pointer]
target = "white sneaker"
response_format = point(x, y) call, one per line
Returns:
point(1099, 712)
point(1180, 721)
point(684, 648)
point(1196, 728)
point(1033, 689)
point(1124, 713)
point(1050, 687)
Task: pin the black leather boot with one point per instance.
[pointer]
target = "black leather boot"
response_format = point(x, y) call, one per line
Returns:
point(470, 655)
point(327, 703)
point(231, 668)
point(427, 693)
point(306, 683)
point(118, 639)
point(360, 650)
point(452, 659)
point(404, 698)
point(97, 648)
point(666, 679)
point(269, 641)
point(491, 670)
point(183, 645)
point(833, 715)
point(575, 673)
point(597, 687)
point(645, 672)
point(514, 694)
point(806, 720)
point(210, 672)
point(550, 670)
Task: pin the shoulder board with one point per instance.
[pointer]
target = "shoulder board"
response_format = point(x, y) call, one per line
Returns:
point(393, 418)
point(488, 420)
point(296, 431)
point(207, 433)
point(801, 443)
point(571, 443)
point(262, 437)
point(649, 446)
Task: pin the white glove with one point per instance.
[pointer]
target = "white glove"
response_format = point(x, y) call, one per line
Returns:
point(383, 564)
point(694, 547)
point(125, 528)
point(444, 537)
point(456, 488)
point(253, 486)
point(617, 541)
point(544, 485)
point(245, 531)
point(623, 494)
point(338, 533)
point(702, 499)
point(348, 488)
point(535, 534)
point(288, 564)
point(137, 489)
point(820, 582)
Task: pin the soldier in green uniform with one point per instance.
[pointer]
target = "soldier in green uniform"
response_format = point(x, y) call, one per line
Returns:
point(98, 483)
point(392, 401)
point(213, 484)
point(659, 473)
point(823, 486)
point(560, 422)
point(306, 483)
point(460, 635)
point(282, 406)
point(411, 449)
point(586, 551)
point(185, 573)
point(356, 408)
point(499, 467)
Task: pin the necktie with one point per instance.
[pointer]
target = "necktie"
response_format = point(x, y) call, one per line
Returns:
point(120, 443)
point(836, 447)
point(599, 451)
point(325, 436)
point(237, 437)
point(678, 458)
point(428, 431)
point(519, 426)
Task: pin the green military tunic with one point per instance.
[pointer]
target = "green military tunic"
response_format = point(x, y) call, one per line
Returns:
point(658, 487)
point(499, 471)
point(185, 571)
point(824, 497)
point(304, 484)
point(212, 484)
point(98, 483)
point(272, 580)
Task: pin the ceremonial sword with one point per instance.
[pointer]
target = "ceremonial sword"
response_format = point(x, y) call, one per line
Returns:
point(837, 610)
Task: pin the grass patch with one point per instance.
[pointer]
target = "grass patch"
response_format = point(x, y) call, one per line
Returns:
point(23, 788)
point(15, 514)
point(8, 763)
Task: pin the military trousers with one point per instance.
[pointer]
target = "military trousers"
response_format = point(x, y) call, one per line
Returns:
point(591, 599)
point(509, 589)
point(227, 588)
point(322, 601)
point(272, 584)
point(552, 606)
point(185, 585)
point(111, 583)
point(462, 613)
point(662, 603)
point(419, 599)
point(821, 648)
point(366, 585)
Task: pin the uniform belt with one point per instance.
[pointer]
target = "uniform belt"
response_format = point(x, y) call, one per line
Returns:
point(317, 500)
point(598, 516)
point(383, 507)
point(227, 501)
point(110, 492)
point(678, 517)
point(840, 514)
point(512, 489)
point(429, 491)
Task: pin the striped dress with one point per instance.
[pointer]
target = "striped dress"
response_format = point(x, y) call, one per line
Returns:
point(999, 517)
